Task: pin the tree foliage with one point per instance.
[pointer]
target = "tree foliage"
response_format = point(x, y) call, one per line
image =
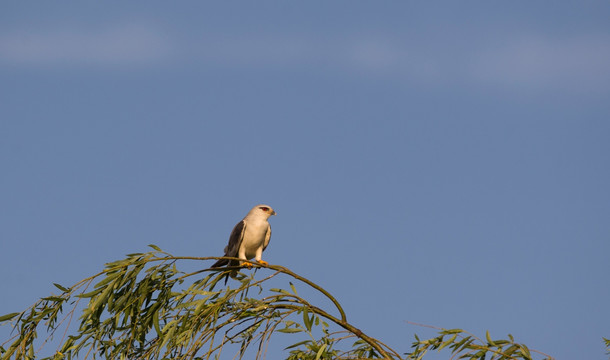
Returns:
point(144, 307)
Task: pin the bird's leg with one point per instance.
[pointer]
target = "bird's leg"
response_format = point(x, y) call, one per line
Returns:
point(258, 257)
point(244, 260)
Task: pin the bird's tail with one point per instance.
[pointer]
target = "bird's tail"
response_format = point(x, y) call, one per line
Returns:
point(223, 262)
point(219, 263)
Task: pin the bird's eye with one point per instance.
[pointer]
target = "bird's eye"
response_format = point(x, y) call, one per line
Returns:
point(264, 208)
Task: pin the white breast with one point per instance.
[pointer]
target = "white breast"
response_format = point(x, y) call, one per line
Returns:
point(254, 236)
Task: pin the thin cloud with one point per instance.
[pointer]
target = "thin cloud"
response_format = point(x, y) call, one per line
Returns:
point(123, 44)
point(541, 62)
point(514, 61)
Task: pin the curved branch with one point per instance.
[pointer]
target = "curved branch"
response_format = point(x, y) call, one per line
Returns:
point(279, 268)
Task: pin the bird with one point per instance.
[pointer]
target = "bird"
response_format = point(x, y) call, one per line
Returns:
point(249, 238)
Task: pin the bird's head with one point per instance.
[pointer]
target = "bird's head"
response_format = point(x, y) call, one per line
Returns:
point(263, 210)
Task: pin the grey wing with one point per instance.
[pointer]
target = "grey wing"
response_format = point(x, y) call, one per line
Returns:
point(232, 248)
point(237, 235)
point(267, 237)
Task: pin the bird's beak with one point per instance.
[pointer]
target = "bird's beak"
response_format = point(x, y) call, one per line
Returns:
point(273, 213)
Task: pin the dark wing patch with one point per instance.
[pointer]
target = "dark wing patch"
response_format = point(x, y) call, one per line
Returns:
point(232, 249)
point(237, 235)
point(267, 237)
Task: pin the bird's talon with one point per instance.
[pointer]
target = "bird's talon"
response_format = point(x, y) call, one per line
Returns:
point(247, 264)
point(263, 262)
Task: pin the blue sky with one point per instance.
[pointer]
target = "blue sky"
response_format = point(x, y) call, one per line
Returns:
point(443, 163)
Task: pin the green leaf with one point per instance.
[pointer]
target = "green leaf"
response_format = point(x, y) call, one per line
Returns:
point(108, 279)
point(53, 298)
point(100, 299)
point(154, 247)
point(448, 342)
point(525, 351)
point(511, 349)
point(169, 334)
point(489, 340)
point(290, 330)
point(281, 291)
point(156, 323)
point(297, 344)
point(459, 345)
point(321, 351)
point(294, 290)
point(61, 287)
point(8, 316)
point(306, 319)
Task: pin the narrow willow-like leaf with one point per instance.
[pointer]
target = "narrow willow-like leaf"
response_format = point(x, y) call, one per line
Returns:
point(488, 337)
point(109, 278)
point(155, 320)
point(132, 255)
point(294, 290)
point(64, 289)
point(298, 344)
point(54, 298)
point(155, 247)
point(97, 302)
point(511, 349)
point(91, 293)
point(8, 316)
point(290, 330)
point(447, 342)
point(525, 351)
point(306, 319)
point(320, 352)
point(462, 344)
point(281, 291)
